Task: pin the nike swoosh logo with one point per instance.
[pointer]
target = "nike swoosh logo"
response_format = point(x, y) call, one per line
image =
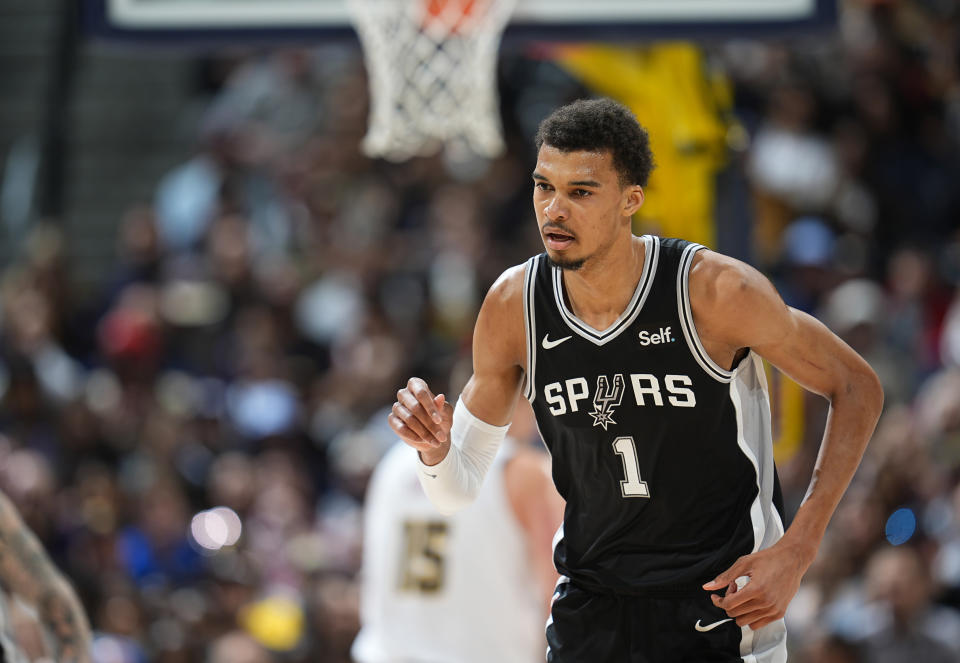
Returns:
point(548, 344)
point(710, 627)
point(432, 476)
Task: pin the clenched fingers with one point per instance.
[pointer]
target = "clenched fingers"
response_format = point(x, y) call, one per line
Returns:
point(743, 608)
point(410, 437)
point(414, 429)
point(763, 621)
point(736, 599)
point(420, 418)
point(414, 409)
point(425, 398)
point(757, 619)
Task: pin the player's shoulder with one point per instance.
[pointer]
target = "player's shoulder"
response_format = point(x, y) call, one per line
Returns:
point(393, 487)
point(505, 297)
point(733, 303)
point(398, 463)
point(500, 326)
point(717, 280)
point(509, 285)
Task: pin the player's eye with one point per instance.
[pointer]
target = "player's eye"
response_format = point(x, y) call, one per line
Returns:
point(542, 186)
point(582, 193)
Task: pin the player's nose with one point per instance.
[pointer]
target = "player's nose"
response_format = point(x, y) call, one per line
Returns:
point(555, 210)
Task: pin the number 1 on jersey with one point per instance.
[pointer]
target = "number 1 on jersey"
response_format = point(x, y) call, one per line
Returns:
point(633, 485)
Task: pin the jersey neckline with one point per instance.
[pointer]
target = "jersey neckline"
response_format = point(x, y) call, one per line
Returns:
point(598, 337)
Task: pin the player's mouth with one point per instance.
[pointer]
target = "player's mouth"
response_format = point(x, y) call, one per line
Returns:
point(557, 239)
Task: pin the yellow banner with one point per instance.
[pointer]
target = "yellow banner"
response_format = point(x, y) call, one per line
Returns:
point(687, 112)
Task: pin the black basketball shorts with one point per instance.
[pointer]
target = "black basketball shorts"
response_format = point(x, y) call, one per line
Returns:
point(587, 627)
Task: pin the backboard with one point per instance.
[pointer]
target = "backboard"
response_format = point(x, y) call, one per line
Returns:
point(540, 19)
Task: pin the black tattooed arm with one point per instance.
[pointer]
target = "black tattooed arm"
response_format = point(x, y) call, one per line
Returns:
point(25, 570)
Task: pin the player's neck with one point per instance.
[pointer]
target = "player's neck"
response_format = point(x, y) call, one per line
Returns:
point(599, 292)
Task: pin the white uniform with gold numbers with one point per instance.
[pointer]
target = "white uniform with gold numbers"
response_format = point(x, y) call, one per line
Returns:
point(445, 589)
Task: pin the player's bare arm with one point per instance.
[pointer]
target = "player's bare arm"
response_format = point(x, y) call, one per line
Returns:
point(539, 510)
point(423, 420)
point(735, 307)
point(498, 351)
point(27, 572)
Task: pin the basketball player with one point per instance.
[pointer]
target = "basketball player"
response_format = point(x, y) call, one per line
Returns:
point(641, 357)
point(27, 573)
point(472, 587)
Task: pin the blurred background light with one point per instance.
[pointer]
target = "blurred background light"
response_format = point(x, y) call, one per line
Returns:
point(901, 526)
point(215, 528)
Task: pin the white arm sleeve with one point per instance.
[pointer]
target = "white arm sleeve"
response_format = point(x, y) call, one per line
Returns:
point(454, 482)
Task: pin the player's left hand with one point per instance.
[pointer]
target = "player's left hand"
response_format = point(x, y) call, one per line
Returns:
point(773, 579)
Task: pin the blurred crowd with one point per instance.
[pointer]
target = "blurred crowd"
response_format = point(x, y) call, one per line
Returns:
point(192, 442)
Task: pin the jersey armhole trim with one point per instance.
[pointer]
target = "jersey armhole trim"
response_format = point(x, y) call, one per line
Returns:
point(530, 328)
point(686, 318)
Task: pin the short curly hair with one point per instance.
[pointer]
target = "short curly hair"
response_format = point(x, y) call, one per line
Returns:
point(598, 125)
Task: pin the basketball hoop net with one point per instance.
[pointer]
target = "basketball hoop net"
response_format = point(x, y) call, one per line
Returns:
point(432, 69)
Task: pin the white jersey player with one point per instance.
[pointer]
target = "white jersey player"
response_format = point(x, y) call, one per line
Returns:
point(468, 588)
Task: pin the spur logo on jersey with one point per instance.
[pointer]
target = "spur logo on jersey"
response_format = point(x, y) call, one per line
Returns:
point(662, 335)
point(648, 390)
point(606, 398)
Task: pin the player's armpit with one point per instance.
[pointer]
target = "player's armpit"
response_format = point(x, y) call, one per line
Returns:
point(740, 308)
point(736, 307)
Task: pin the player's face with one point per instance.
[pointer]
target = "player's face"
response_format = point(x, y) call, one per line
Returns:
point(581, 207)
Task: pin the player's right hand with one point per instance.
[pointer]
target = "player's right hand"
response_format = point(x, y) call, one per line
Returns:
point(422, 420)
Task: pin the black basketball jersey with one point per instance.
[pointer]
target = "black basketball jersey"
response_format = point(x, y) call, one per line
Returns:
point(663, 457)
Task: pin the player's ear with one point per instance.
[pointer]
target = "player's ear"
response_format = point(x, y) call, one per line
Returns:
point(633, 199)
